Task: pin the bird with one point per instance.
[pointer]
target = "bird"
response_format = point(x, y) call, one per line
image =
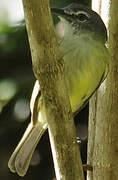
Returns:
point(82, 38)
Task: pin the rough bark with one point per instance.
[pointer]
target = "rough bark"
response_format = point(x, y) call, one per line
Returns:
point(48, 68)
point(105, 150)
point(91, 133)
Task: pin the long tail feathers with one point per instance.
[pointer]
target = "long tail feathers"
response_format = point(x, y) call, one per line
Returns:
point(20, 159)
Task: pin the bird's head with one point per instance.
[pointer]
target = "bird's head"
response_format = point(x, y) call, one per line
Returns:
point(82, 20)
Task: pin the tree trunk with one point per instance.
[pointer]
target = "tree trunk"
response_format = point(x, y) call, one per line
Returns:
point(105, 112)
point(48, 68)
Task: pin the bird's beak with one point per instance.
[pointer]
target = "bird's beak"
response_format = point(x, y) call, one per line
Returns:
point(58, 11)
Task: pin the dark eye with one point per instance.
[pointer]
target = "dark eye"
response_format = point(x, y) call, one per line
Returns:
point(82, 17)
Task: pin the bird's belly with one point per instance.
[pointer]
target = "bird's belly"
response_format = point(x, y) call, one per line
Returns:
point(80, 90)
point(82, 83)
point(85, 66)
point(79, 93)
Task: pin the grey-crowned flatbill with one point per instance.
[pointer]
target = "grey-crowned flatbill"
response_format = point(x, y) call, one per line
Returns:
point(82, 36)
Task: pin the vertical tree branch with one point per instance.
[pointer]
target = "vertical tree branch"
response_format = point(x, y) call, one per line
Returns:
point(48, 68)
point(91, 133)
point(105, 152)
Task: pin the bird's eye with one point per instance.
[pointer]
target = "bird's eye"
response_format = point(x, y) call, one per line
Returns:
point(82, 16)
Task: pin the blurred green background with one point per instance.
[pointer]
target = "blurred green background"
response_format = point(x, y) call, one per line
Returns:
point(16, 84)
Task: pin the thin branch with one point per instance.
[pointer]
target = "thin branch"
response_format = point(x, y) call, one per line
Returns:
point(48, 68)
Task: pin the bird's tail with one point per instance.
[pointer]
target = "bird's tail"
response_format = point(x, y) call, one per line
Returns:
point(20, 159)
